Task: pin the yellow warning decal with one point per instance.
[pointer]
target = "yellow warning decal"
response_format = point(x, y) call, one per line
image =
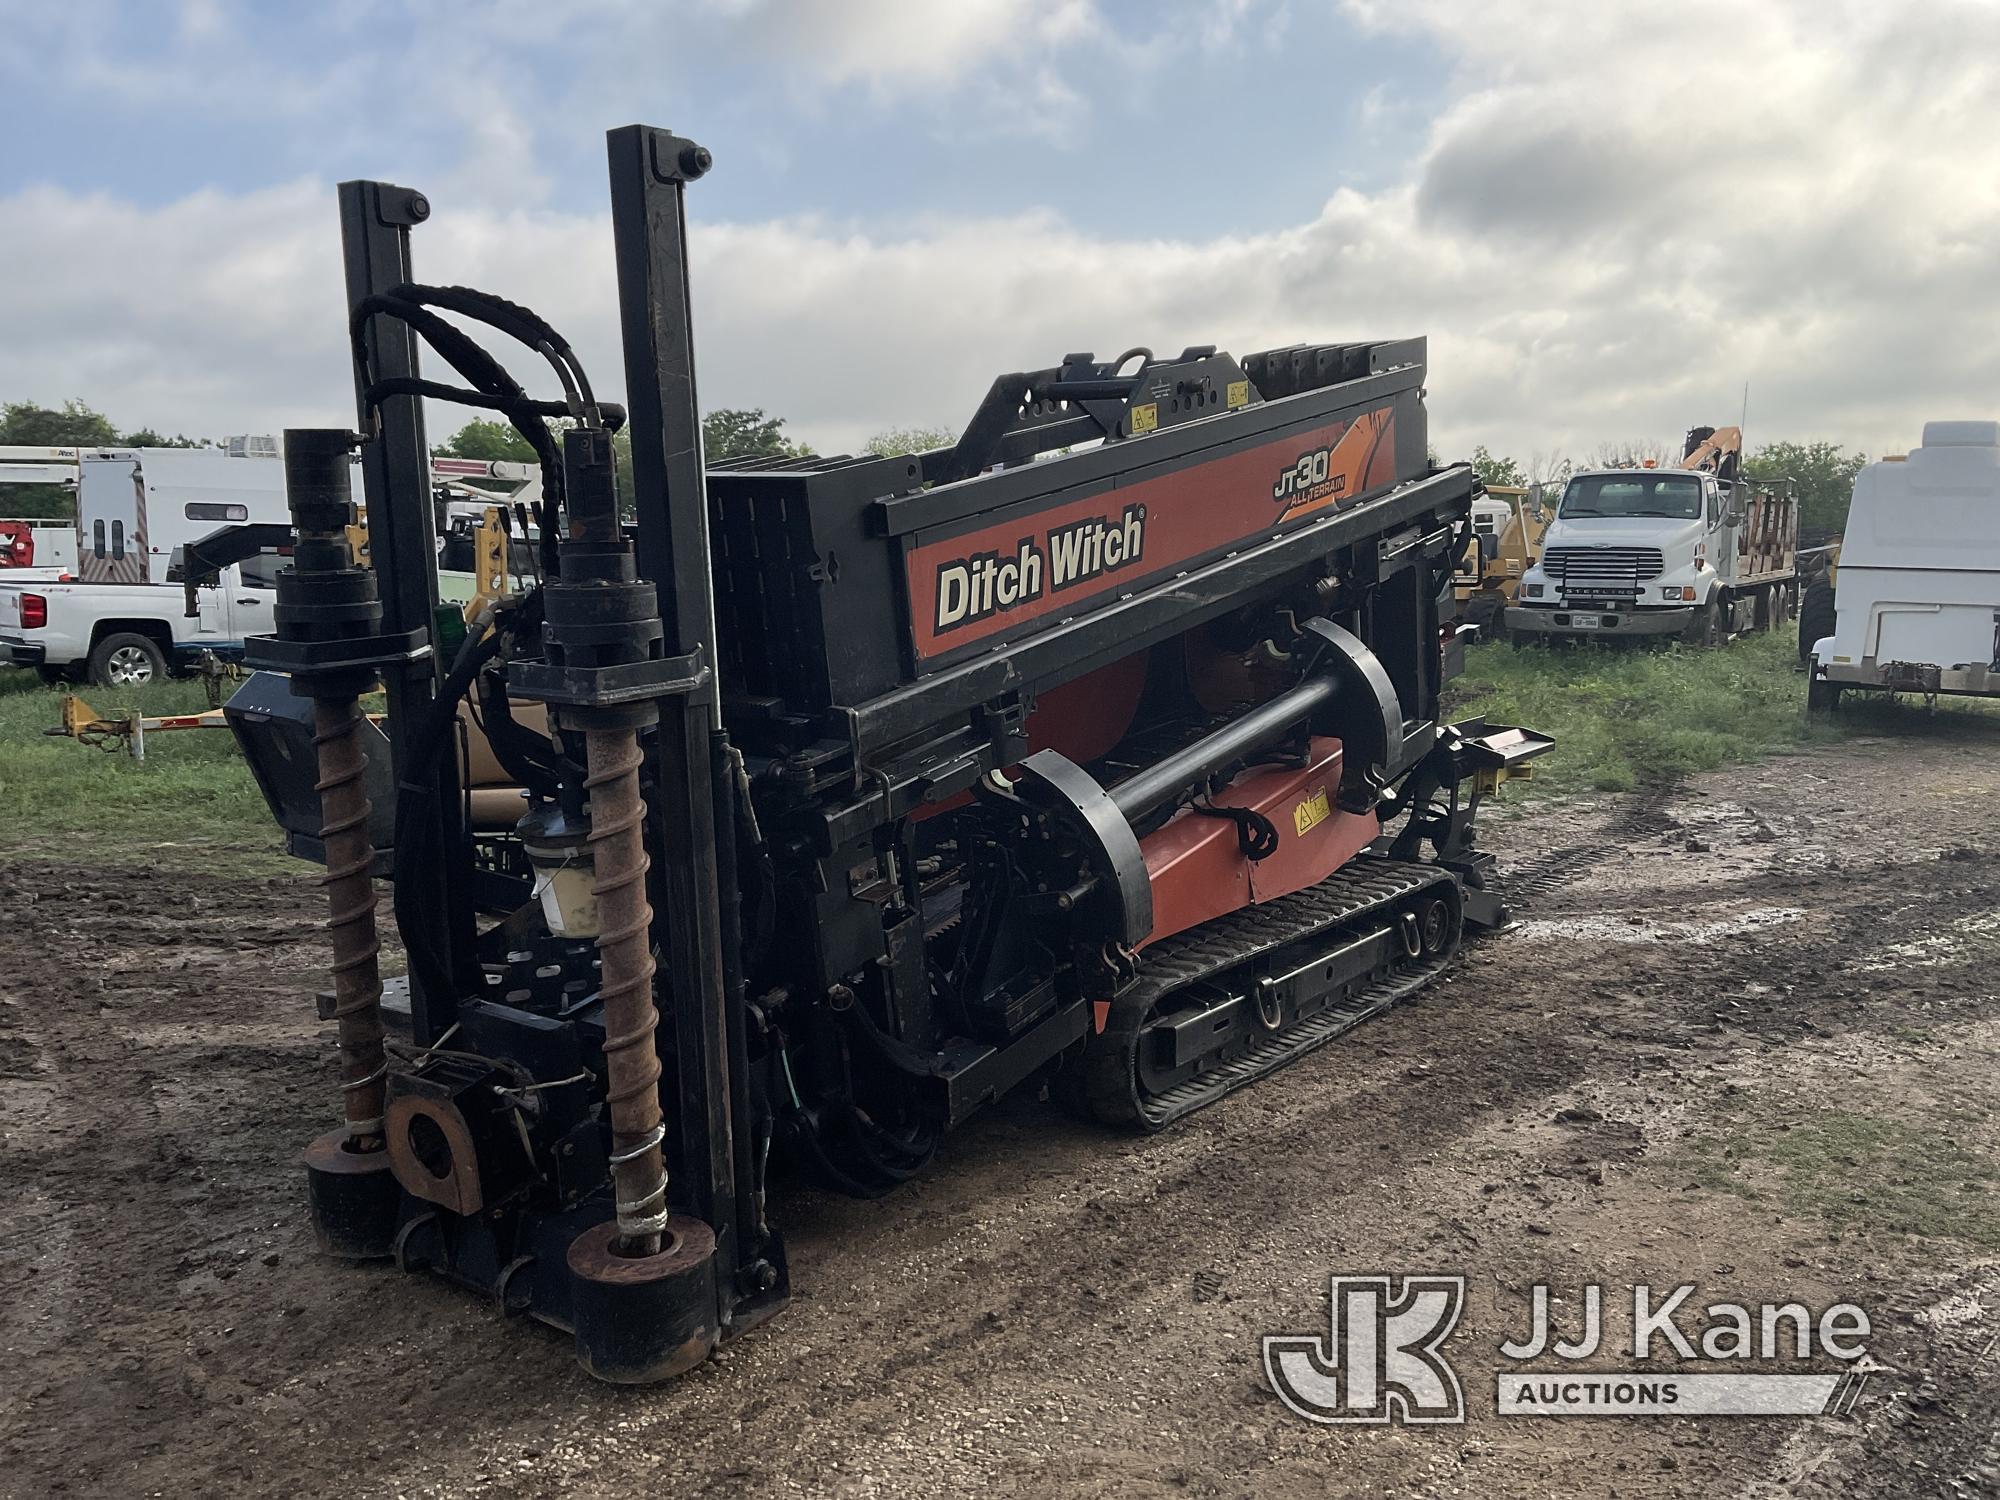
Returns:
point(1312, 812)
point(1237, 393)
point(1145, 418)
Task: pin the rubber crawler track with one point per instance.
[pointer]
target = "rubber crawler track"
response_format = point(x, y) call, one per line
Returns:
point(1110, 1084)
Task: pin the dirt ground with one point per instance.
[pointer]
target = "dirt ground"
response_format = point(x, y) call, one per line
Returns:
point(1762, 1003)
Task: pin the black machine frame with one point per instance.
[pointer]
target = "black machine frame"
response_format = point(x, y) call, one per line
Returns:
point(794, 722)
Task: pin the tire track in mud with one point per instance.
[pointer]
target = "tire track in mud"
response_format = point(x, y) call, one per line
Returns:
point(119, 1185)
point(993, 1306)
point(1641, 814)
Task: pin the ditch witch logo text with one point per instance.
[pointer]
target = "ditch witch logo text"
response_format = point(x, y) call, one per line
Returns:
point(988, 583)
point(1385, 1360)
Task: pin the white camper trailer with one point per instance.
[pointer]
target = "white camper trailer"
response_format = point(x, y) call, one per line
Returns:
point(1917, 605)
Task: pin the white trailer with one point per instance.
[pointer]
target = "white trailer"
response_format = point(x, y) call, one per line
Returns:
point(1916, 608)
point(137, 507)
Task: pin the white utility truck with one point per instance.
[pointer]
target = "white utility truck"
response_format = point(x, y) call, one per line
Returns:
point(1916, 604)
point(1692, 551)
point(34, 546)
point(123, 618)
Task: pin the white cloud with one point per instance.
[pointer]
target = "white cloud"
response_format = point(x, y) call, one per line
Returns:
point(1620, 215)
point(884, 41)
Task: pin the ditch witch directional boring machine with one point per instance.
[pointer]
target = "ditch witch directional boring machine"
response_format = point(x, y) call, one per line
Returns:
point(825, 800)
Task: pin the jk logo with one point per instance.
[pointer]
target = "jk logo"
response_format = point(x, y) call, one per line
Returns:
point(1381, 1363)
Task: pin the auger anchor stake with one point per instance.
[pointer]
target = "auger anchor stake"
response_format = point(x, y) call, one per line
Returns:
point(329, 619)
point(644, 1301)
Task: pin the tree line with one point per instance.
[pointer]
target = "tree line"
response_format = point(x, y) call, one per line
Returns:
point(1823, 471)
point(727, 433)
point(27, 424)
point(731, 432)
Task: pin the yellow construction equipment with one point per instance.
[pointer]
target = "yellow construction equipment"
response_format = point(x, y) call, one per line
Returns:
point(1507, 525)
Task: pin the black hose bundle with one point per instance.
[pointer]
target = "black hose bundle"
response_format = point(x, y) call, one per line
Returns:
point(416, 832)
point(1256, 835)
point(493, 388)
point(537, 762)
point(532, 760)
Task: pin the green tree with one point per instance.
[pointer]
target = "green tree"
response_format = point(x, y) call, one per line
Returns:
point(28, 424)
point(147, 437)
point(900, 440)
point(74, 425)
point(488, 442)
point(1500, 471)
point(747, 433)
point(1824, 473)
point(725, 434)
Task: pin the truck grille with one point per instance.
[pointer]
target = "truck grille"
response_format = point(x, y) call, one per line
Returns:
point(1614, 570)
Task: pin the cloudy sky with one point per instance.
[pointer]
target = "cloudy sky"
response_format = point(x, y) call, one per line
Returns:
point(1608, 215)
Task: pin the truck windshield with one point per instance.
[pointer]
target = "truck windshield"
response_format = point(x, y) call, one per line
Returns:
point(1676, 496)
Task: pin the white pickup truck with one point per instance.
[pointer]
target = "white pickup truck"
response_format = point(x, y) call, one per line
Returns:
point(1916, 608)
point(126, 634)
point(122, 619)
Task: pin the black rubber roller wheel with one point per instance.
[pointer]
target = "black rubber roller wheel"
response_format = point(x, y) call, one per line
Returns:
point(1816, 615)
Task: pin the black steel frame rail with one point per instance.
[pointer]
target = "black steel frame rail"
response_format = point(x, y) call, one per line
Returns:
point(375, 223)
point(713, 1173)
point(985, 498)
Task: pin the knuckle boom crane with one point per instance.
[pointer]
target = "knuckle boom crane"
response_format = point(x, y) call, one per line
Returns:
point(825, 800)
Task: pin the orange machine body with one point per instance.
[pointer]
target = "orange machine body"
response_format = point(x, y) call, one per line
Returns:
point(1196, 861)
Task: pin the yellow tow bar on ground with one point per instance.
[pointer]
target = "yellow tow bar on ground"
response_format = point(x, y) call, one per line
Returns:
point(124, 728)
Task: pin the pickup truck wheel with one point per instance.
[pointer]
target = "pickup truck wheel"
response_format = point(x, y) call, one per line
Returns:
point(127, 660)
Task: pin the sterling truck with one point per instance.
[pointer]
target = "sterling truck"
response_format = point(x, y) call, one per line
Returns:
point(1693, 551)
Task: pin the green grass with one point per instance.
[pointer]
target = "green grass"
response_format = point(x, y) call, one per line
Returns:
point(1621, 715)
point(59, 798)
point(1859, 1172)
